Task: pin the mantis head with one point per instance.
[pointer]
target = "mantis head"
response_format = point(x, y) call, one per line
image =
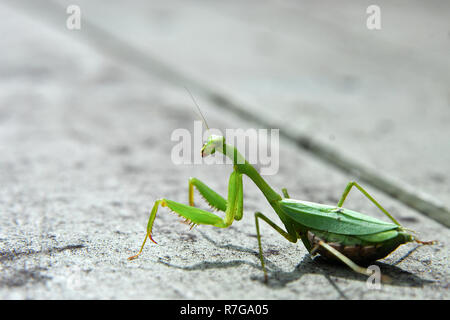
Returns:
point(212, 144)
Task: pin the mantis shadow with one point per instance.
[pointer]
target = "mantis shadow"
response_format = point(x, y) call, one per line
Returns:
point(279, 278)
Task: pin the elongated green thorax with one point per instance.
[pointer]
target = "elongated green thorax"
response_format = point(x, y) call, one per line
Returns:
point(242, 166)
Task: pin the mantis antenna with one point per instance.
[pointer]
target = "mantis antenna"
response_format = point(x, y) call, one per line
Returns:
point(198, 108)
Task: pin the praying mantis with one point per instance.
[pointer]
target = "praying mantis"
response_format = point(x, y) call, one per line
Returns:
point(335, 232)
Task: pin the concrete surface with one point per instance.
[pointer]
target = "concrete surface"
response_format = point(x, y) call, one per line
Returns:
point(85, 144)
point(381, 97)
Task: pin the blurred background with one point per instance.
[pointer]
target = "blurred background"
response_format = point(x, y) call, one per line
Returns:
point(364, 93)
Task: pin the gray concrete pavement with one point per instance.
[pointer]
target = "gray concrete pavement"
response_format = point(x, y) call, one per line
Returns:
point(85, 143)
point(375, 107)
point(378, 96)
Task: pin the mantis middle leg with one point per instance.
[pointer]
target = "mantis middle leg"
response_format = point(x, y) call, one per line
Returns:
point(289, 237)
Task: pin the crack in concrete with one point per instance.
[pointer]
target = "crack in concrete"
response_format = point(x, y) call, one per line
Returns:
point(13, 255)
point(120, 49)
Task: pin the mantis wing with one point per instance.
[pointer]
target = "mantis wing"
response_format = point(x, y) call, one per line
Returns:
point(333, 219)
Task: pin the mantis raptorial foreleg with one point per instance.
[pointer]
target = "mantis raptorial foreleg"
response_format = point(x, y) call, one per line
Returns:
point(215, 200)
point(259, 215)
point(194, 216)
point(364, 192)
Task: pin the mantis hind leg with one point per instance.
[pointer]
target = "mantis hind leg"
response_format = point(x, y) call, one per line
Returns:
point(289, 237)
point(346, 260)
point(364, 192)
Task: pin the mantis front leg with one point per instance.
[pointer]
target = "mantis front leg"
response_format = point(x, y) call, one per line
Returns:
point(194, 216)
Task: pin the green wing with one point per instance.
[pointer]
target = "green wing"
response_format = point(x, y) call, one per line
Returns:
point(333, 219)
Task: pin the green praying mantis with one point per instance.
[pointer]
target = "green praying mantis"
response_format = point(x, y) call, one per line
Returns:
point(334, 232)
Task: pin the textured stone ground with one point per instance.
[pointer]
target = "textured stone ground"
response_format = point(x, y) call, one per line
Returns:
point(85, 144)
